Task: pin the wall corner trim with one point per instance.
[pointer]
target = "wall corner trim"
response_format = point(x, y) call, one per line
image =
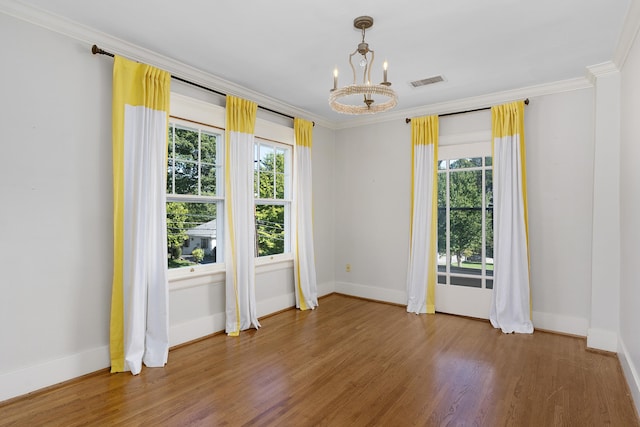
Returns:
point(628, 34)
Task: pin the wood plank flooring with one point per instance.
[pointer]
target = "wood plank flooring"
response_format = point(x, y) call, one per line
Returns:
point(352, 363)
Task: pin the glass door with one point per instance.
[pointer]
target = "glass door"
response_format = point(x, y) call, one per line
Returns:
point(465, 230)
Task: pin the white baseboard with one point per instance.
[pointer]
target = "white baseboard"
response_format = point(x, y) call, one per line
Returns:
point(194, 329)
point(560, 323)
point(31, 378)
point(601, 339)
point(371, 292)
point(630, 373)
point(326, 288)
point(272, 305)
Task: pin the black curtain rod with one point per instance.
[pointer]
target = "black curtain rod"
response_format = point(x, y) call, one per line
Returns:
point(96, 50)
point(526, 102)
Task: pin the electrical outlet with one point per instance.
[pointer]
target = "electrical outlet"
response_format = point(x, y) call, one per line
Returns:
point(348, 268)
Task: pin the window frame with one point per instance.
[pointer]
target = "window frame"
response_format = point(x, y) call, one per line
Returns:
point(218, 199)
point(461, 151)
point(287, 199)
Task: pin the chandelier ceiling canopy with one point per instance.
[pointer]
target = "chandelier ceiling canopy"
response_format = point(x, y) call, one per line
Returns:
point(363, 97)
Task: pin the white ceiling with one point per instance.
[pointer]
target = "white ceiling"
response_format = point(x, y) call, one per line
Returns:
point(287, 49)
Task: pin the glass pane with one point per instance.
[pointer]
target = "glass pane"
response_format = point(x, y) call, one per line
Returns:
point(489, 222)
point(186, 144)
point(266, 185)
point(170, 176)
point(279, 186)
point(208, 148)
point(186, 176)
point(442, 220)
point(442, 164)
point(488, 188)
point(442, 279)
point(280, 160)
point(488, 161)
point(465, 222)
point(472, 282)
point(489, 284)
point(466, 189)
point(170, 142)
point(472, 162)
point(256, 157)
point(191, 234)
point(270, 229)
point(208, 180)
point(267, 158)
point(256, 180)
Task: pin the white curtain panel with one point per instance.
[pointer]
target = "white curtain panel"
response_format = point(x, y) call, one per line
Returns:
point(421, 277)
point(510, 305)
point(304, 264)
point(139, 312)
point(240, 217)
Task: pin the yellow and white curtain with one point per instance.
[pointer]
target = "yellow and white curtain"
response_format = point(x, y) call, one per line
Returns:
point(304, 262)
point(510, 304)
point(421, 277)
point(240, 216)
point(139, 306)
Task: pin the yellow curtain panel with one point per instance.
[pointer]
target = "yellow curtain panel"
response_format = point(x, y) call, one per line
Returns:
point(139, 308)
point(240, 236)
point(304, 262)
point(511, 299)
point(422, 273)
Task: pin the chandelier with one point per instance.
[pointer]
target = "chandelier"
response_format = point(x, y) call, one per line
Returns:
point(375, 97)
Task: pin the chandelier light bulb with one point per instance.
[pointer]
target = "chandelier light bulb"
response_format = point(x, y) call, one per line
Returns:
point(363, 62)
point(384, 71)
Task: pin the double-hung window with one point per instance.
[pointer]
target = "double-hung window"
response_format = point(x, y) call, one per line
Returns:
point(195, 185)
point(272, 191)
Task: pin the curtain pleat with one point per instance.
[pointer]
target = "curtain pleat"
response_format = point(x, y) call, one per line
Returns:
point(239, 258)
point(304, 263)
point(139, 330)
point(421, 277)
point(511, 300)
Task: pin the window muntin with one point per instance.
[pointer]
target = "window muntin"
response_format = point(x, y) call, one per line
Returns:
point(194, 194)
point(272, 191)
point(465, 221)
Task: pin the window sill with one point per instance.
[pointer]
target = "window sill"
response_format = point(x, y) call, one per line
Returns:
point(180, 278)
point(269, 263)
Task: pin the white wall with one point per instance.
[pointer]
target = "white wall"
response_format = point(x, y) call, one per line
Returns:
point(56, 192)
point(373, 181)
point(629, 350)
point(373, 169)
point(55, 187)
point(323, 159)
point(560, 149)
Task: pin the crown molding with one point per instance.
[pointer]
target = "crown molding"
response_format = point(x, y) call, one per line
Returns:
point(594, 72)
point(482, 101)
point(121, 47)
point(628, 34)
point(131, 51)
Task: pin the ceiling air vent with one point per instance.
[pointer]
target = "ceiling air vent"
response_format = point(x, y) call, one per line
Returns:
point(427, 81)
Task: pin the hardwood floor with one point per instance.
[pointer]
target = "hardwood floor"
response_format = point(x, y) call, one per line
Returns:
point(352, 363)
